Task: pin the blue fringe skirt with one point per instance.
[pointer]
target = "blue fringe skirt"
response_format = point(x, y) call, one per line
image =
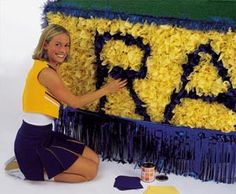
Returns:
point(39, 149)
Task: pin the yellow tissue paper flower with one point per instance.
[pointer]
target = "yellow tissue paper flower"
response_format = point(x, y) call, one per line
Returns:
point(117, 53)
point(205, 79)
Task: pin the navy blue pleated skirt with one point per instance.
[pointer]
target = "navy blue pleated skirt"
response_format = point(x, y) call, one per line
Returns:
point(39, 149)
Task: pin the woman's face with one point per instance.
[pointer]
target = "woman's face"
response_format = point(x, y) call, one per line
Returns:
point(58, 48)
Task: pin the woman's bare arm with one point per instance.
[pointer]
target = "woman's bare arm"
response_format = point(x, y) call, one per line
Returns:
point(50, 79)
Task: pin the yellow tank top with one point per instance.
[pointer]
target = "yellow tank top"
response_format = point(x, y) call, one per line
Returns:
point(36, 98)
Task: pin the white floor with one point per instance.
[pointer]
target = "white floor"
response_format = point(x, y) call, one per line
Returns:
point(19, 33)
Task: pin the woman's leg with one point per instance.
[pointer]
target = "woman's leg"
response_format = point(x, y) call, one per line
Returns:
point(81, 170)
point(90, 154)
point(69, 178)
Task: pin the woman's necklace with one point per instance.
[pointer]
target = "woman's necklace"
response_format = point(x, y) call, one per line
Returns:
point(54, 67)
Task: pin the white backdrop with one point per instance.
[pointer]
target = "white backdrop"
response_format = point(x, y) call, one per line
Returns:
point(20, 28)
point(19, 32)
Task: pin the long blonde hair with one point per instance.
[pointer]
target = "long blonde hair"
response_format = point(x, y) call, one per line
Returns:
point(48, 33)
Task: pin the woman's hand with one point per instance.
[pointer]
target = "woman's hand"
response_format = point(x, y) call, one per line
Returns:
point(115, 85)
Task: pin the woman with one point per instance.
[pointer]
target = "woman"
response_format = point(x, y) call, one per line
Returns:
point(40, 151)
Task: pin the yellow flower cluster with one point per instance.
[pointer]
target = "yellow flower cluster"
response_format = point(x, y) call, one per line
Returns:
point(169, 48)
point(129, 56)
point(196, 113)
point(211, 84)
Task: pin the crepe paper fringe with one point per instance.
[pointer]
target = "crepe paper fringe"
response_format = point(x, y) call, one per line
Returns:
point(204, 154)
point(70, 10)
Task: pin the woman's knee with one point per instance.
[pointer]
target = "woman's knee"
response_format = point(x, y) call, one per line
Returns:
point(90, 154)
point(84, 167)
point(92, 173)
point(96, 159)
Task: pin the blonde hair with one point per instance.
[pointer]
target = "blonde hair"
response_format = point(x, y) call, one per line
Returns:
point(48, 33)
